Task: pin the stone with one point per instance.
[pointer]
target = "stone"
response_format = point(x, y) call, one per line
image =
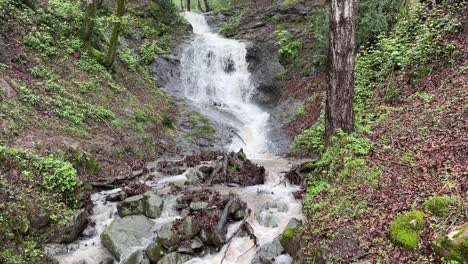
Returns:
point(125, 233)
point(107, 261)
point(39, 218)
point(198, 206)
point(90, 231)
point(267, 219)
point(73, 227)
point(175, 258)
point(196, 244)
point(153, 205)
point(212, 238)
point(137, 257)
point(454, 245)
point(80, 262)
point(9, 92)
point(131, 206)
point(155, 252)
point(188, 228)
point(267, 253)
point(116, 197)
point(193, 177)
point(168, 237)
point(239, 215)
point(290, 239)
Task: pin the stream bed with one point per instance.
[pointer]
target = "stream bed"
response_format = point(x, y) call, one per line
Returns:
point(215, 78)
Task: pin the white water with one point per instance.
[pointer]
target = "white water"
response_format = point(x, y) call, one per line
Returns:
point(215, 73)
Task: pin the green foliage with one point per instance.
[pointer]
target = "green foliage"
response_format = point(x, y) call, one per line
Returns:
point(288, 47)
point(300, 111)
point(404, 230)
point(438, 205)
point(126, 57)
point(229, 26)
point(319, 25)
point(311, 140)
point(149, 50)
point(56, 174)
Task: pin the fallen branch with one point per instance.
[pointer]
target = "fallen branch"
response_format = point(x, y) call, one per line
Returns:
point(229, 240)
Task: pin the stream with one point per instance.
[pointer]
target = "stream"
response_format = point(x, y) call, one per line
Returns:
point(215, 77)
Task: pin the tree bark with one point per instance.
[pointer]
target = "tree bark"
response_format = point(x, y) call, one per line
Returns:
point(207, 6)
point(111, 53)
point(89, 19)
point(182, 5)
point(200, 6)
point(339, 112)
point(188, 5)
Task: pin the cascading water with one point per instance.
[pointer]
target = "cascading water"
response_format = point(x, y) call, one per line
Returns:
point(215, 78)
point(215, 74)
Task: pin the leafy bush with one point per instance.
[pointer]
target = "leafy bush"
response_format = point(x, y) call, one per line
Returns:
point(229, 26)
point(149, 50)
point(288, 48)
point(126, 57)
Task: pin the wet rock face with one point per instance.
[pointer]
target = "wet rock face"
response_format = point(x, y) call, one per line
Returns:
point(72, 229)
point(267, 253)
point(148, 204)
point(125, 233)
point(166, 68)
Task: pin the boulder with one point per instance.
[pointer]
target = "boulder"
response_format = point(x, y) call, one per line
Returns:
point(38, 218)
point(212, 237)
point(168, 237)
point(290, 239)
point(152, 205)
point(196, 244)
point(73, 227)
point(453, 246)
point(267, 253)
point(125, 233)
point(198, 206)
point(137, 257)
point(131, 206)
point(175, 258)
point(188, 228)
point(155, 252)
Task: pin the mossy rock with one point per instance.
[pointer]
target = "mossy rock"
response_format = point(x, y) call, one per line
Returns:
point(404, 230)
point(438, 205)
point(454, 246)
point(155, 252)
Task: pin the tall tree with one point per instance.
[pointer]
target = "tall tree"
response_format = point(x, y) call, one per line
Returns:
point(114, 40)
point(200, 6)
point(207, 6)
point(182, 5)
point(339, 113)
point(89, 19)
point(188, 5)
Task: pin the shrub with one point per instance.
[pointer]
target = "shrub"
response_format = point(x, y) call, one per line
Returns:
point(404, 230)
point(288, 48)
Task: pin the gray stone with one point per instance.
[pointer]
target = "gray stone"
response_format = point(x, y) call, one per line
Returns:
point(137, 257)
point(267, 219)
point(107, 261)
point(125, 233)
point(267, 253)
point(198, 206)
point(155, 252)
point(116, 197)
point(196, 244)
point(70, 231)
point(39, 217)
point(168, 237)
point(239, 215)
point(131, 206)
point(175, 258)
point(153, 205)
point(188, 228)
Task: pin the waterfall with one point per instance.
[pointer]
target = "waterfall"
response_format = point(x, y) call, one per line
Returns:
point(214, 74)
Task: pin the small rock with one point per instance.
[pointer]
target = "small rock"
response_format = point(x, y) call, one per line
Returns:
point(153, 205)
point(116, 197)
point(267, 253)
point(196, 244)
point(137, 257)
point(72, 229)
point(185, 250)
point(131, 206)
point(188, 228)
point(198, 206)
point(175, 258)
point(107, 261)
point(167, 237)
point(239, 215)
point(89, 232)
point(155, 252)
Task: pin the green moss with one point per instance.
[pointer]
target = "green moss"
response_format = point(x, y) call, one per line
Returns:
point(288, 232)
point(438, 205)
point(404, 230)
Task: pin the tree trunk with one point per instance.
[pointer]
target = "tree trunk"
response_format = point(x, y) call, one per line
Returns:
point(89, 19)
point(188, 5)
point(207, 6)
point(111, 53)
point(182, 5)
point(200, 6)
point(339, 113)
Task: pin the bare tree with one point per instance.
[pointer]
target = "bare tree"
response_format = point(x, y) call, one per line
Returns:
point(339, 113)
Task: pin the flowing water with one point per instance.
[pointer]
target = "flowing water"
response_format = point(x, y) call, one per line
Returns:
point(215, 77)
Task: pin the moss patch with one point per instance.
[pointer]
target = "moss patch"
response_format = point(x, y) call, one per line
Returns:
point(404, 230)
point(438, 205)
